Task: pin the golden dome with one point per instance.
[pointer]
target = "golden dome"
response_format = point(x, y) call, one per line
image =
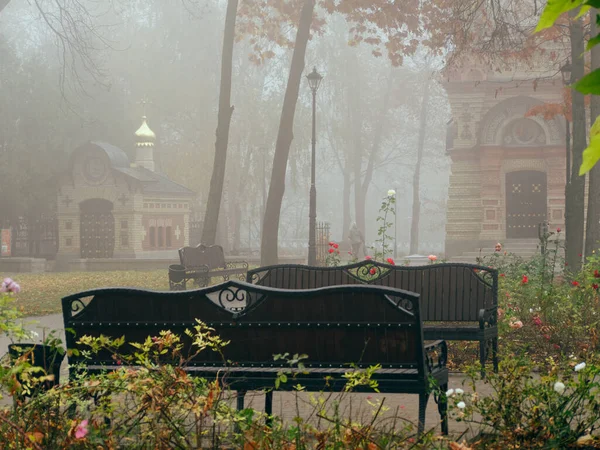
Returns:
point(144, 135)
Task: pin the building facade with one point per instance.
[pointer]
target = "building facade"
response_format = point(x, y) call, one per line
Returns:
point(111, 208)
point(508, 169)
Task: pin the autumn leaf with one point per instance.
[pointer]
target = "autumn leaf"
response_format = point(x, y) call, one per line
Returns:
point(553, 10)
point(591, 155)
point(457, 446)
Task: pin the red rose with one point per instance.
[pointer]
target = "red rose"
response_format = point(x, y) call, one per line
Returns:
point(349, 252)
point(373, 271)
point(558, 230)
point(391, 261)
point(537, 321)
point(594, 286)
point(525, 279)
point(368, 258)
point(335, 245)
point(502, 275)
point(580, 255)
point(575, 283)
point(596, 274)
point(331, 250)
point(556, 346)
point(547, 337)
point(331, 244)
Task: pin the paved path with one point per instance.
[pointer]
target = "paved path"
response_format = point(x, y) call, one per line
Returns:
point(287, 405)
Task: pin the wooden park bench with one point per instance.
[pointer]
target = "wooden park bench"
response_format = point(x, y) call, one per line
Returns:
point(458, 301)
point(334, 326)
point(201, 263)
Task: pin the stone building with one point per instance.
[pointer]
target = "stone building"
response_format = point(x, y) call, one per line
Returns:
point(111, 208)
point(507, 170)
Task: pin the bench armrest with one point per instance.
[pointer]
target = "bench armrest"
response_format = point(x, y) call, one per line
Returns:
point(488, 317)
point(436, 355)
point(195, 270)
point(236, 265)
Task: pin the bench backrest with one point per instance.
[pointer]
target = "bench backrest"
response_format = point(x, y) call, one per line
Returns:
point(449, 292)
point(334, 326)
point(201, 255)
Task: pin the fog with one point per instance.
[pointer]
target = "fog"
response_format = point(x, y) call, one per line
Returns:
point(162, 59)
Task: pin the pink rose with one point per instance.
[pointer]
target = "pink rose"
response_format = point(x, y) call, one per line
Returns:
point(432, 258)
point(8, 285)
point(82, 430)
point(515, 324)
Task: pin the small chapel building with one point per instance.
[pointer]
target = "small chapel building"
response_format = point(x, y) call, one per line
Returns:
point(109, 207)
point(508, 169)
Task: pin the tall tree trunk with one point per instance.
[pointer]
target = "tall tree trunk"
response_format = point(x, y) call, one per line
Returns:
point(416, 206)
point(359, 199)
point(211, 218)
point(574, 193)
point(592, 233)
point(269, 242)
point(362, 184)
point(237, 229)
point(346, 207)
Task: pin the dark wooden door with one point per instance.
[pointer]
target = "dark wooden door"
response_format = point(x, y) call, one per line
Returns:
point(97, 229)
point(526, 200)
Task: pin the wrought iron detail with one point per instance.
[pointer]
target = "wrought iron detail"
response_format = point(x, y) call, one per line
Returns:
point(368, 272)
point(77, 306)
point(405, 303)
point(436, 355)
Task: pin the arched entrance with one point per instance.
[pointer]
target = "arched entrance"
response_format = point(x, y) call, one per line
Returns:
point(97, 228)
point(526, 203)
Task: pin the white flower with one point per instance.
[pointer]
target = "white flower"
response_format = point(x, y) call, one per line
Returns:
point(449, 392)
point(34, 334)
point(391, 193)
point(559, 387)
point(579, 367)
point(461, 405)
point(459, 391)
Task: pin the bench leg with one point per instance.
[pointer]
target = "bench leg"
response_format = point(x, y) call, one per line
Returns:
point(442, 402)
point(423, 399)
point(240, 400)
point(269, 407)
point(482, 356)
point(495, 353)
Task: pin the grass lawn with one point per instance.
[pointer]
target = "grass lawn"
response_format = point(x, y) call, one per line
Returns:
point(41, 292)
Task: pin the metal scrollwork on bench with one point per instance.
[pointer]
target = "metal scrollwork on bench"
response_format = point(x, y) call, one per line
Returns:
point(368, 272)
point(77, 306)
point(233, 298)
point(404, 303)
point(236, 265)
point(486, 276)
point(436, 356)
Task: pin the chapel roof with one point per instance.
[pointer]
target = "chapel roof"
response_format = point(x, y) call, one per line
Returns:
point(151, 182)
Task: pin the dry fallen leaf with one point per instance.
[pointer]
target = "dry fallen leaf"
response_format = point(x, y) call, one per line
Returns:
point(457, 446)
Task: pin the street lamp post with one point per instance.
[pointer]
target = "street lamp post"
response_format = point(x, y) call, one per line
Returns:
point(395, 227)
point(565, 72)
point(314, 80)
